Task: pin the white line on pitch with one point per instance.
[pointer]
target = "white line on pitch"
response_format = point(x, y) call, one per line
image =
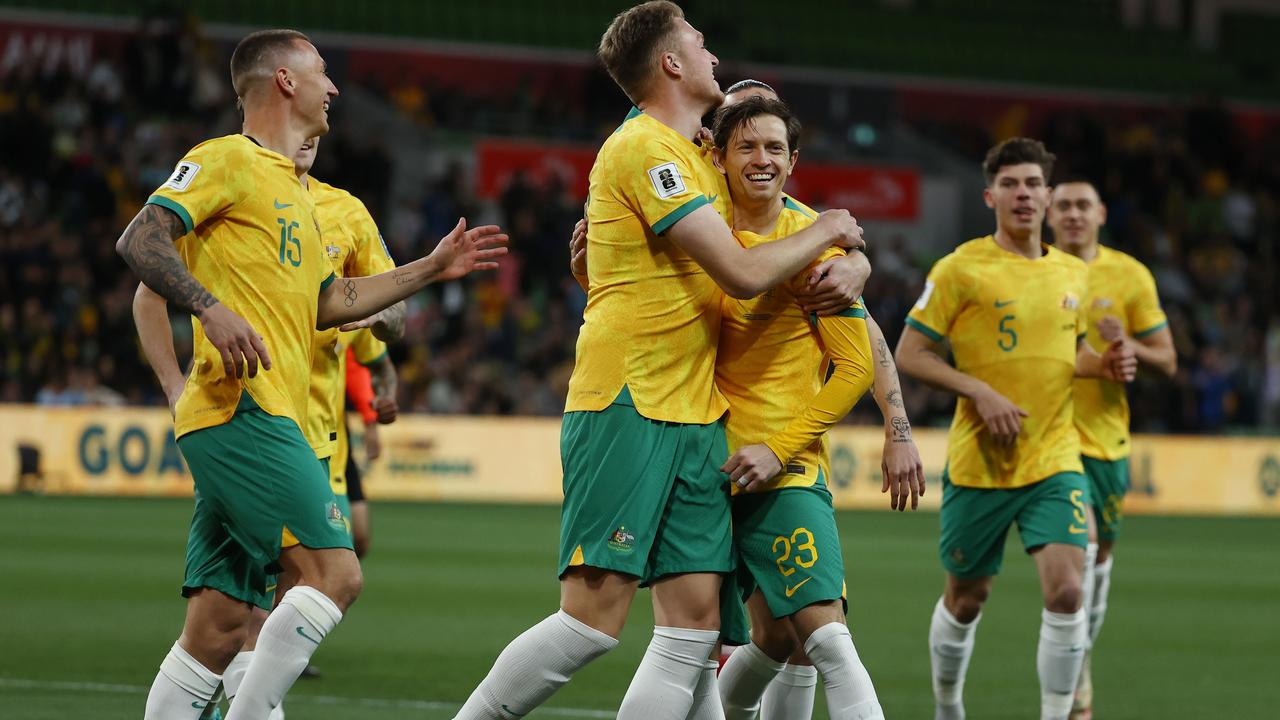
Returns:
point(22, 683)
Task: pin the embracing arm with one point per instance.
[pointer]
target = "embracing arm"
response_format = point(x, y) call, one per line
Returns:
point(745, 273)
point(900, 463)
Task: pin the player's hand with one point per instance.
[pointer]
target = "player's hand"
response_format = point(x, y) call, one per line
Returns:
point(464, 251)
point(1119, 363)
point(372, 442)
point(903, 472)
point(752, 466)
point(578, 248)
point(387, 408)
point(1003, 418)
point(835, 284)
point(843, 230)
point(237, 342)
point(1110, 328)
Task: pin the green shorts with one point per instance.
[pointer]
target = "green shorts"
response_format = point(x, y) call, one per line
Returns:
point(789, 547)
point(643, 497)
point(975, 521)
point(1108, 483)
point(254, 475)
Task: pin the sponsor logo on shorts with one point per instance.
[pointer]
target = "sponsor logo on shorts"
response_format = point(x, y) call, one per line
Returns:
point(791, 589)
point(621, 540)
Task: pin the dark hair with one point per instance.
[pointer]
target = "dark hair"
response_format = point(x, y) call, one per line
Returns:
point(633, 40)
point(1017, 151)
point(255, 51)
point(747, 85)
point(728, 119)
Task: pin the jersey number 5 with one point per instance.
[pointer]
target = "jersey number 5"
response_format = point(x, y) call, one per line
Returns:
point(290, 247)
point(1007, 343)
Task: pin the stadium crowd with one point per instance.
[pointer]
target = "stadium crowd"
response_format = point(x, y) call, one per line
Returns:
point(82, 151)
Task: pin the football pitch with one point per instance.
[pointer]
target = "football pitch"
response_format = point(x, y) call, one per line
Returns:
point(89, 606)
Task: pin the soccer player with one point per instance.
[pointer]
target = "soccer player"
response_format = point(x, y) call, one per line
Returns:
point(642, 442)
point(1122, 305)
point(371, 389)
point(771, 366)
point(256, 277)
point(1013, 310)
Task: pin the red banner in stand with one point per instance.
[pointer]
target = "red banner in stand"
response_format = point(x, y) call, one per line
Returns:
point(870, 193)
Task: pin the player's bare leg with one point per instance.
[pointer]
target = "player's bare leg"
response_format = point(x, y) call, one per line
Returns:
point(212, 633)
point(951, 636)
point(828, 644)
point(1082, 704)
point(686, 615)
point(328, 582)
point(361, 532)
point(751, 668)
point(593, 610)
point(1064, 628)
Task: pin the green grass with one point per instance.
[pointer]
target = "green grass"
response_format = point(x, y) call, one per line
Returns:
point(88, 594)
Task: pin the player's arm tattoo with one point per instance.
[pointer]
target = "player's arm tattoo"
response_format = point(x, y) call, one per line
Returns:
point(901, 430)
point(147, 246)
point(882, 351)
point(349, 289)
point(894, 398)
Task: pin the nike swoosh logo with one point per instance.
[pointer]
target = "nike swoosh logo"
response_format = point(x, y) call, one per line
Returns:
point(513, 712)
point(1000, 304)
point(791, 590)
point(305, 635)
point(712, 199)
point(281, 206)
point(1076, 531)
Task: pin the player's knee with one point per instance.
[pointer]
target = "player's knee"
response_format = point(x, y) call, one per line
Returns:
point(966, 604)
point(1065, 597)
point(775, 639)
point(1104, 550)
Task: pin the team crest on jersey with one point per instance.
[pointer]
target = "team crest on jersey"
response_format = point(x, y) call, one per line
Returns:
point(666, 180)
point(621, 540)
point(1101, 303)
point(333, 250)
point(1070, 302)
point(183, 175)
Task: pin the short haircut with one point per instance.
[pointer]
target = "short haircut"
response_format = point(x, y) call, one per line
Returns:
point(1075, 178)
point(256, 51)
point(1017, 151)
point(747, 85)
point(729, 119)
point(634, 40)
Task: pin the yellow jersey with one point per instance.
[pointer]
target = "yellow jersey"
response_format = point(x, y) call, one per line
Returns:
point(1013, 323)
point(1122, 287)
point(253, 242)
point(774, 358)
point(652, 319)
point(355, 249)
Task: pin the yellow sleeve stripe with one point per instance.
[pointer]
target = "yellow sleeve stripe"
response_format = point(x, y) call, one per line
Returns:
point(929, 332)
point(327, 282)
point(1152, 330)
point(180, 211)
point(678, 214)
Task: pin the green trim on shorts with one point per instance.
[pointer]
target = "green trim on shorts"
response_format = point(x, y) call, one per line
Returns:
point(1108, 484)
point(976, 521)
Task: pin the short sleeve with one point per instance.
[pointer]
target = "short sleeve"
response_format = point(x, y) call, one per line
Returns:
point(207, 181)
point(370, 256)
point(940, 302)
point(661, 183)
point(1145, 314)
point(367, 348)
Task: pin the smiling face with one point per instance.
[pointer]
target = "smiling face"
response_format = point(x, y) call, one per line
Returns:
point(1076, 214)
point(757, 160)
point(313, 90)
point(1019, 196)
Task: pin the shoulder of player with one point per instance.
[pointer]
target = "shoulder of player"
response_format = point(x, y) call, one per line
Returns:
point(1067, 260)
point(792, 207)
point(331, 195)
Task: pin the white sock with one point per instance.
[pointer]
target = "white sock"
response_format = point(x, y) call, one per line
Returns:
point(663, 686)
point(182, 688)
point(950, 647)
point(845, 680)
point(535, 665)
point(790, 695)
point(288, 638)
point(1088, 582)
point(1062, 640)
point(743, 680)
point(233, 676)
point(1101, 588)
point(706, 697)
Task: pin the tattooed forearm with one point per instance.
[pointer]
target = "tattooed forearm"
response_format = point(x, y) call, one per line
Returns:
point(882, 350)
point(901, 429)
point(349, 289)
point(390, 324)
point(894, 398)
point(147, 246)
